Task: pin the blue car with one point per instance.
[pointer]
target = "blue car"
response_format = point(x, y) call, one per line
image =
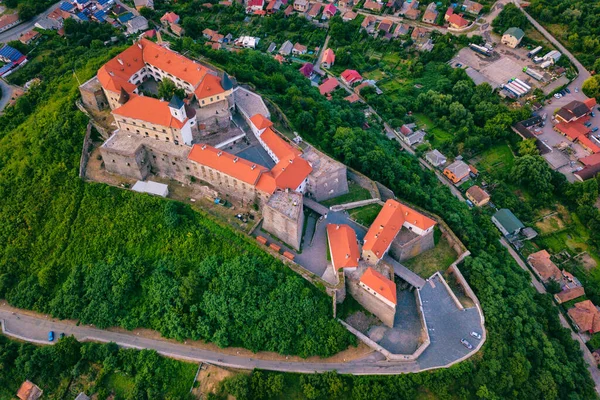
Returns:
point(51, 336)
point(595, 129)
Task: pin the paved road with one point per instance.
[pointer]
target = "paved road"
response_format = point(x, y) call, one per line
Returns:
point(35, 329)
point(7, 91)
point(15, 32)
point(587, 355)
point(317, 63)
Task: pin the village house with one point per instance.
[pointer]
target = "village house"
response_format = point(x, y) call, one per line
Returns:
point(435, 158)
point(139, 4)
point(328, 85)
point(512, 37)
point(477, 196)
point(457, 171)
point(411, 136)
point(585, 316)
point(569, 294)
point(343, 247)
point(301, 5)
point(401, 29)
point(373, 6)
point(385, 233)
point(299, 49)
point(455, 21)
point(508, 224)
point(472, 7)
point(346, 4)
point(307, 70)
point(29, 391)
point(349, 16)
point(254, 6)
point(169, 18)
point(328, 59)
point(350, 77)
point(314, 11)
point(29, 37)
point(286, 48)
point(385, 25)
point(431, 14)
point(138, 24)
point(543, 266)
point(368, 24)
point(575, 110)
point(7, 21)
point(329, 11)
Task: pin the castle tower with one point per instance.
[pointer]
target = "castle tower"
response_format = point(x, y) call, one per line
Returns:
point(177, 107)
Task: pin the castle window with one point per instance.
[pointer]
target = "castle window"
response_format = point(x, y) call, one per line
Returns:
point(137, 131)
point(173, 163)
point(187, 168)
point(156, 136)
point(164, 131)
point(167, 138)
point(129, 165)
point(127, 128)
point(176, 141)
point(146, 134)
point(113, 160)
point(211, 99)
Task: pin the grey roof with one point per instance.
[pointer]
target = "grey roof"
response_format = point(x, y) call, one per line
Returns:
point(137, 24)
point(226, 82)
point(286, 48)
point(516, 32)
point(82, 396)
point(272, 47)
point(416, 137)
point(459, 168)
point(435, 157)
point(249, 103)
point(508, 220)
point(159, 189)
point(176, 102)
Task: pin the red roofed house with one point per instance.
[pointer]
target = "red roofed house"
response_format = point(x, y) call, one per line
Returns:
point(169, 18)
point(588, 144)
point(254, 5)
point(307, 70)
point(29, 37)
point(373, 5)
point(544, 267)
point(29, 391)
point(343, 247)
point(379, 286)
point(383, 232)
point(328, 59)
point(569, 294)
point(572, 130)
point(328, 85)
point(585, 316)
point(351, 76)
point(594, 159)
point(330, 11)
point(456, 21)
point(7, 21)
point(353, 98)
point(299, 49)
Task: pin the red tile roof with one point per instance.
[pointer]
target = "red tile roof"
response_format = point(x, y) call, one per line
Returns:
point(210, 86)
point(170, 17)
point(380, 284)
point(226, 163)
point(388, 223)
point(289, 173)
point(28, 36)
point(586, 316)
point(8, 19)
point(573, 130)
point(591, 160)
point(330, 9)
point(353, 98)
point(278, 145)
point(588, 144)
point(540, 261)
point(260, 122)
point(328, 86)
point(328, 56)
point(343, 246)
point(458, 20)
point(570, 294)
point(351, 76)
point(149, 109)
point(590, 103)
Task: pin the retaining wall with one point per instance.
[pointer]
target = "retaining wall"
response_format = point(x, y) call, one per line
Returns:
point(85, 150)
point(364, 182)
point(355, 204)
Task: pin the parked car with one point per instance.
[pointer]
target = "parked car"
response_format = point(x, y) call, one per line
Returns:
point(592, 114)
point(466, 343)
point(576, 90)
point(595, 129)
point(588, 124)
point(567, 90)
point(476, 335)
point(51, 336)
point(558, 95)
point(62, 335)
point(458, 65)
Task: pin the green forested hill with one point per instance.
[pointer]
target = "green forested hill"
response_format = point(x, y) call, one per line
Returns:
point(112, 257)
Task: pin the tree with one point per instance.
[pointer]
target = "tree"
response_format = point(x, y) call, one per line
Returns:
point(591, 86)
point(167, 88)
point(534, 173)
point(553, 286)
point(527, 147)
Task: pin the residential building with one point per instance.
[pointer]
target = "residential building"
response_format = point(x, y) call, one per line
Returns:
point(477, 196)
point(139, 4)
point(301, 5)
point(368, 24)
point(29, 391)
point(472, 7)
point(49, 23)
point(350, 76)
point(380, 287)
point(383, 232)
point(299, 49)
point(435, 158)
point(314, 11)
point(543, 266)
point(413, 14)
point(343, 247)
point(349, 16)
point(248, 42)
point(328, 85)
point(573, 111)
point(137, 24)
point(307, 70)
point(373, 6)
point(457, 171)
point(411, 136)
point(329, 11)
point(352, 98)
point(253, 6)
point(7, 21)
point(431, 14)
point(385, 25)
point(569, 294)
point(29, 37)
point(585, 316)
point(512, 37)
point(507, 222)
point(328, 59)
point(346, 4)
point(401, 29)
point(455, 21)
point(169, 18)
point(179, 31)
point(286, 48)
point(419, 34)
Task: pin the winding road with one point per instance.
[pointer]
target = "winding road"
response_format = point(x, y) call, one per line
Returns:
point(15, 32)
point(6, 94)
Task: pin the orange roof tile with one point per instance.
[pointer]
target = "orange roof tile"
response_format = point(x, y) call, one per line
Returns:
point(388, 223)
point(226, 163)
point(590, 103)
point(343, 246)
point(588, 144)
point(149, 109)
point(278, 145)
point(115, 74)
point(28, 36)
point(328, 56)
point(290, 172)
point(586, 316)
point(210, 86)
point(289, 255)
point(570, 294)
point(572, 129)
point(540, 261)
point(260, 122)
point(275, 247)
point(261, 240)
point(380, 284)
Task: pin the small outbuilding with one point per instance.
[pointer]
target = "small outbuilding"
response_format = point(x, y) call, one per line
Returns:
point(151, 187)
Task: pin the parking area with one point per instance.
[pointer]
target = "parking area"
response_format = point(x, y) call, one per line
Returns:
point(447, 325)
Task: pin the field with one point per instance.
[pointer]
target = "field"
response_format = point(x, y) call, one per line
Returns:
point(439, 136)
point(365, 215)
point(437, 259)
point(496, 158)
point(355, 193)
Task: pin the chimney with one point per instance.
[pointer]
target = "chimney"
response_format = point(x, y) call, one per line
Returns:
point(253, 166)
point(219, 154)
point(120, 61)
point(235, 160)
point(337, 227)
point(203, 147)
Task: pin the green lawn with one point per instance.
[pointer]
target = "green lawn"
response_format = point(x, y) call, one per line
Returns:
point(355, 193)
point(120, 384)
point(375, 74)
point(496, 158)
point(365, 215)
point(440, 135)
point(437, 259)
